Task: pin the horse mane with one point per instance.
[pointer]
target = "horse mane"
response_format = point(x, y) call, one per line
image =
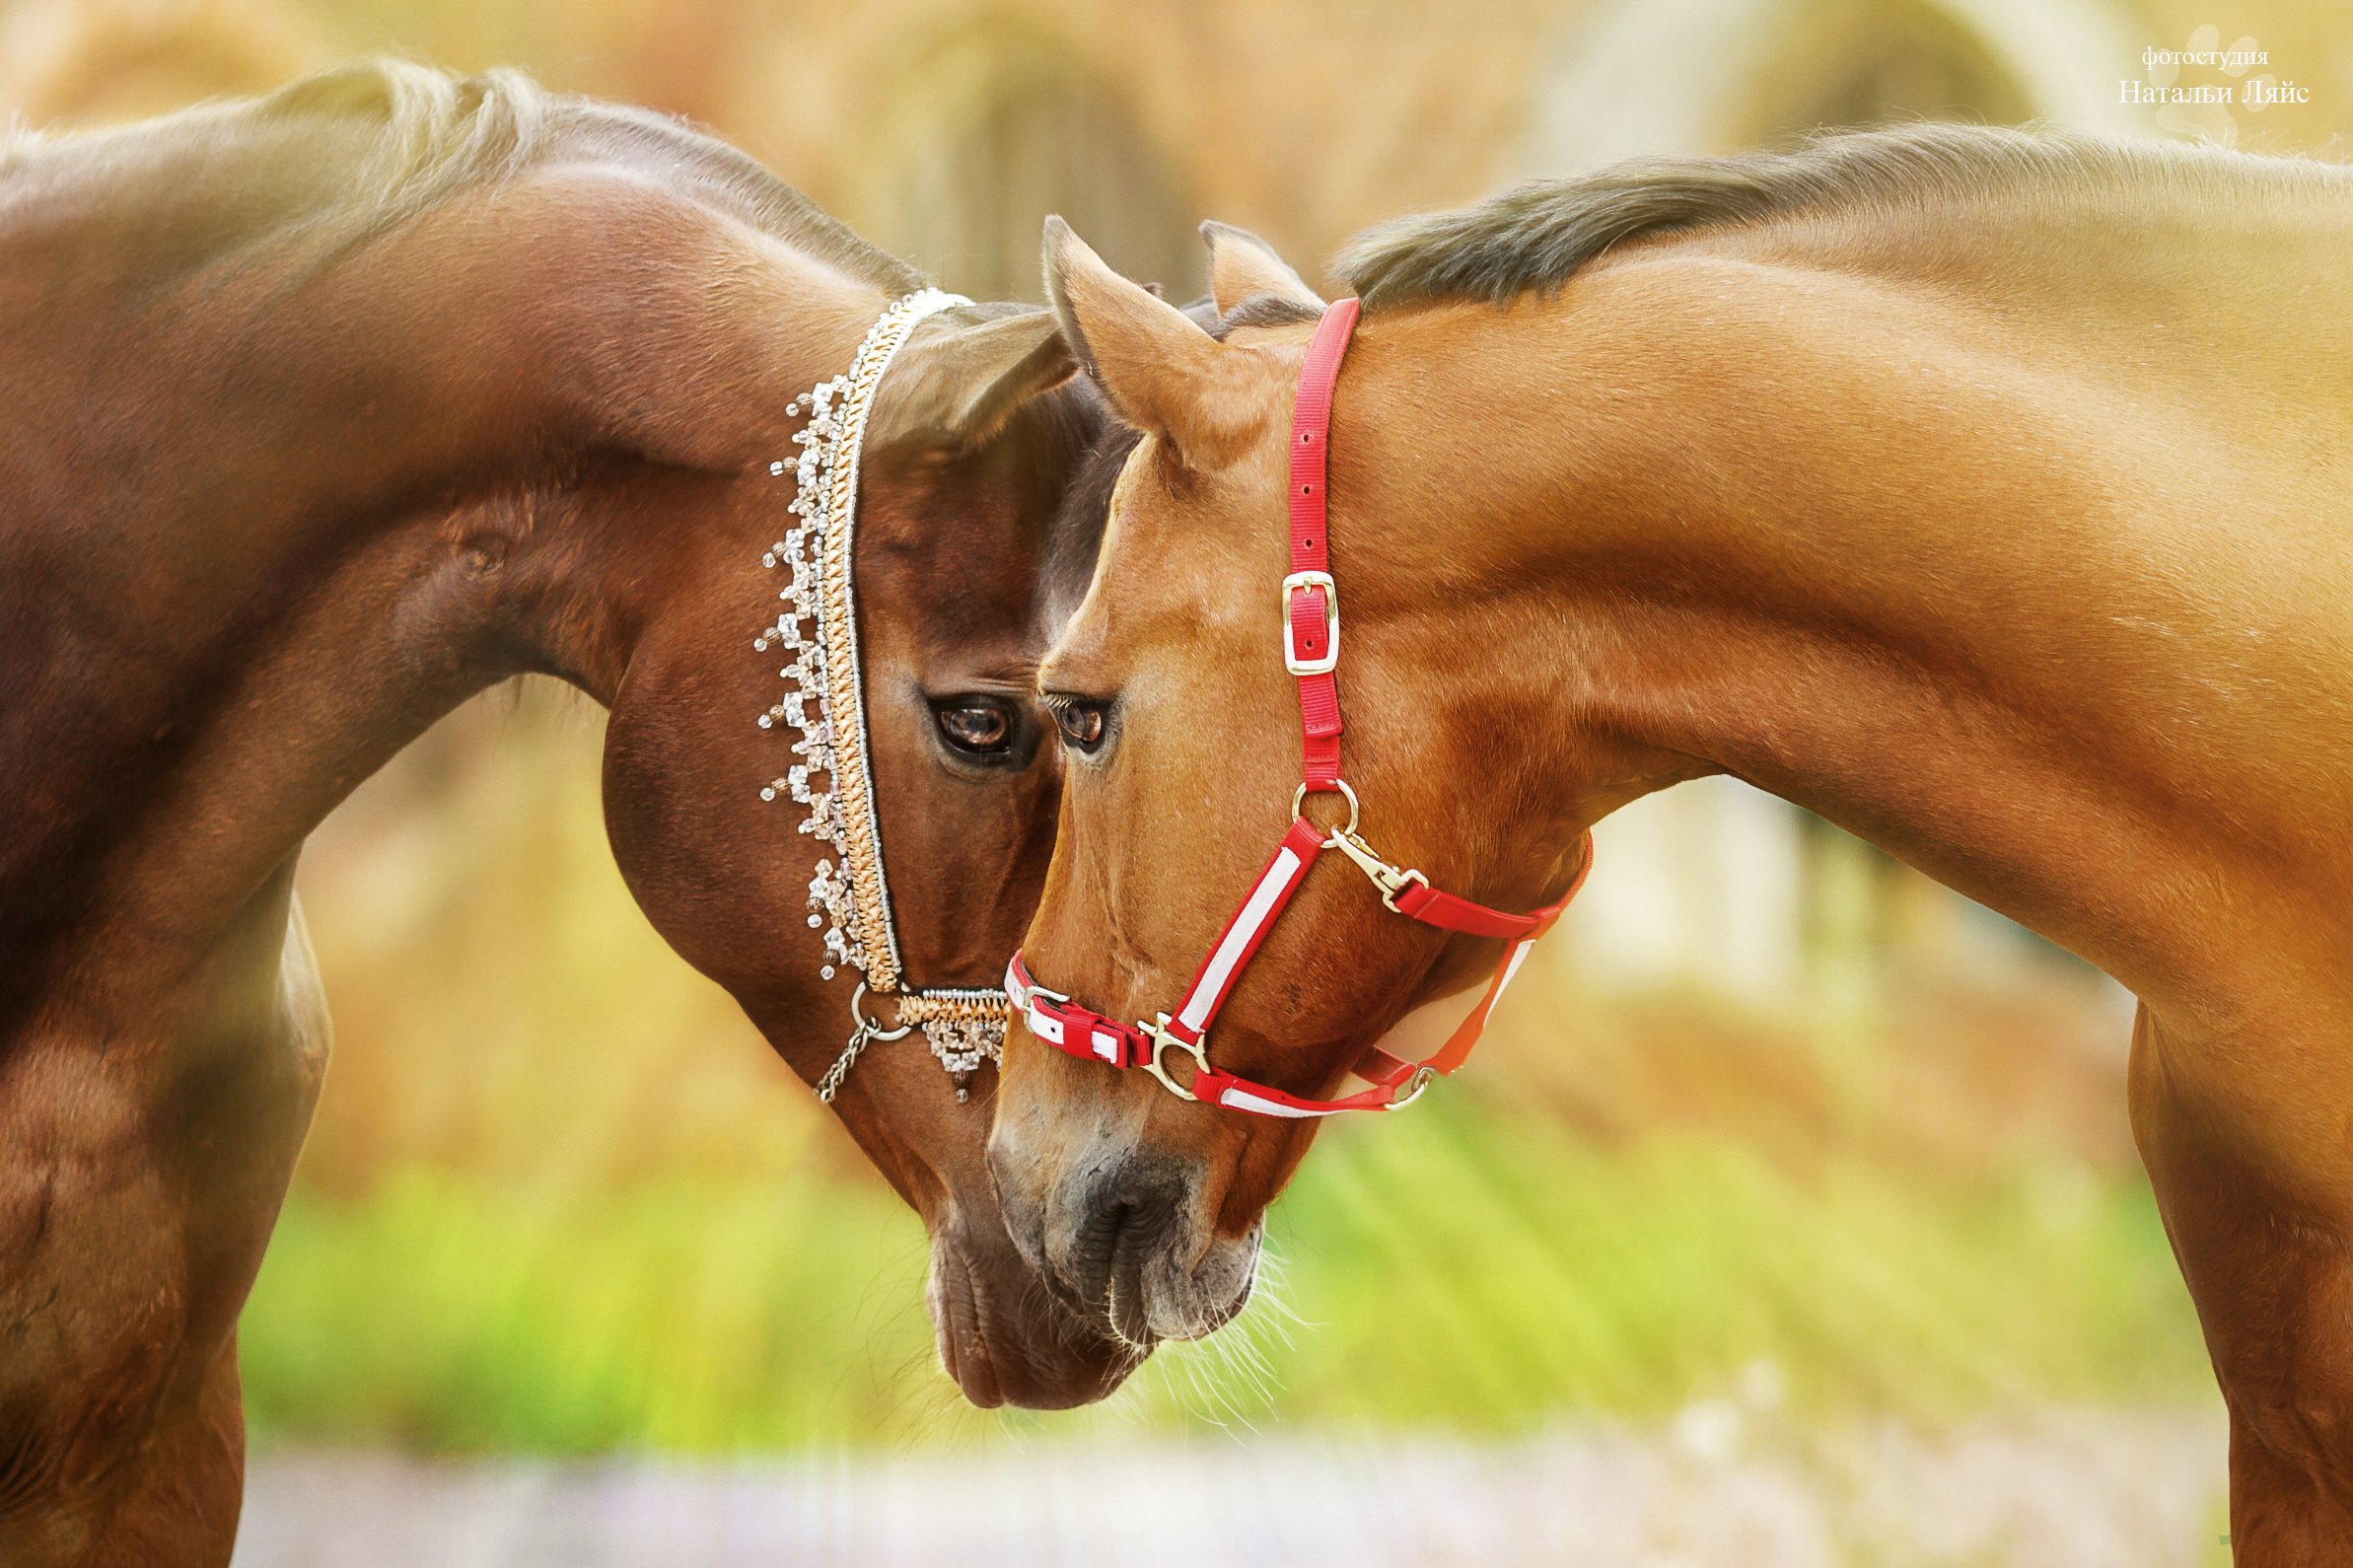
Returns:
point(432, 135)
point(1536, 235)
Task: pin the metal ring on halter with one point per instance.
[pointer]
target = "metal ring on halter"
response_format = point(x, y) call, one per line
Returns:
point(1299, 797)
point(1423, 1077)
point(1162, 1038)
point(868, 1026)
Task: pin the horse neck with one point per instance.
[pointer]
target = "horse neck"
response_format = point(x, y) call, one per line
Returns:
point(337, 527)
point(1947, 569)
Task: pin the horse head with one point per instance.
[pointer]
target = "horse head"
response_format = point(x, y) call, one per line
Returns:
point(1177, 694)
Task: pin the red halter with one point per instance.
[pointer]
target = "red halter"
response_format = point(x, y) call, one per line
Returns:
point(1311, 652)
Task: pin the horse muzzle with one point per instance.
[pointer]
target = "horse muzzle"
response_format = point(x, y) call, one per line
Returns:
point(1007, 1342)
point(1130, 1244)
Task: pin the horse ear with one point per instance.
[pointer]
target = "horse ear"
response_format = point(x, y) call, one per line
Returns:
point(959, 386)
point(1243, 266)
point(1162, 372)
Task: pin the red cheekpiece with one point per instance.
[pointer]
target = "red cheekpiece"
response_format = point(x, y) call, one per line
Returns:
point(1311, 652)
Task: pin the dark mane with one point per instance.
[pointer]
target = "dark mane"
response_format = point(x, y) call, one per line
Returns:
point(1536, 235)
point(429, 135)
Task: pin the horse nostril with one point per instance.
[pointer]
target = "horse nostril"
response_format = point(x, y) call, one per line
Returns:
point(1116, 1243)
point(1093, 1244)
point(1124, 1307)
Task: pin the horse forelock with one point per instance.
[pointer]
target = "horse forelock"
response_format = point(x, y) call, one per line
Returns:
point(1075, 540)
point(1536, 235)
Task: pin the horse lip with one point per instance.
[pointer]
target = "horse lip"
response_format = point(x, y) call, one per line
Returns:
point(1085, 1363)
point(958, 1326)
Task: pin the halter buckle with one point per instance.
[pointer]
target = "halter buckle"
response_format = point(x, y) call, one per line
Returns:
point(1391, 880)
point(1330, 659)
point(1163, 1037)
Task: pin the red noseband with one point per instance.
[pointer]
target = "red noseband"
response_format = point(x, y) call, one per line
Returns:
point(1311, 652)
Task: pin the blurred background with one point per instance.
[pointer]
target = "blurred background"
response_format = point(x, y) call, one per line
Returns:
point(1790, 1216)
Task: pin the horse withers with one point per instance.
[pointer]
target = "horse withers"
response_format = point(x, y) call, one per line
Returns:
point(1986, 493)
point(325, 412)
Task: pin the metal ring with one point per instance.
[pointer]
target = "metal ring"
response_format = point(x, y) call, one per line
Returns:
point(873, 1030)
point(1423, 1077)
point(1299, 797)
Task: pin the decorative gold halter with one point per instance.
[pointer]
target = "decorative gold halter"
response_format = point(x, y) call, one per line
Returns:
point(825, 702)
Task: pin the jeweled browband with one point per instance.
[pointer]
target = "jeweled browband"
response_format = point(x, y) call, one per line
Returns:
point(825, 702)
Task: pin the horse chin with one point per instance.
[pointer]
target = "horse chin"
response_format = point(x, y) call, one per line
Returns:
point(1006, 1340)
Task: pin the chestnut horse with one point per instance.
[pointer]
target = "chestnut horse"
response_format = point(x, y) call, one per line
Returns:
point(1987, 493)
point(323, 413)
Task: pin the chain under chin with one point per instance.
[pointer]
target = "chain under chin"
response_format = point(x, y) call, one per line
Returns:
point(830, 1085)
point(963, 1027)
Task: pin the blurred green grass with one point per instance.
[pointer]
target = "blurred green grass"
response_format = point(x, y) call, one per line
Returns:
point(1475, 1270)
point(560, 1198)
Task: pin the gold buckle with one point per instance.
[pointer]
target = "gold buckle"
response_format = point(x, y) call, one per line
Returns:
point(1391, 880)
point(1162, 1038)
point(1299, 582)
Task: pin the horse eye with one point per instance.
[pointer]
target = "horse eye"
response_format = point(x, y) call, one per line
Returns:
point(981, 726)
point(1080, 719)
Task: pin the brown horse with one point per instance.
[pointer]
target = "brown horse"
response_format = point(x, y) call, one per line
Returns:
point(1986, 493)
point(325, 412)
